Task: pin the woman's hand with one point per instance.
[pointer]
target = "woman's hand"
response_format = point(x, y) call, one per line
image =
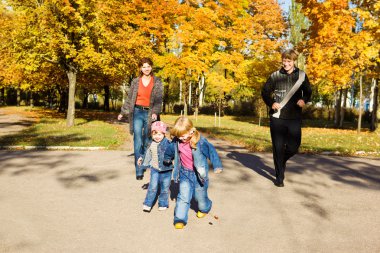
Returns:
point(119, 117)
point(154, 116)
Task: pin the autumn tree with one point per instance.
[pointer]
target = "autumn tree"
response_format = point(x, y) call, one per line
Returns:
point(233, 44)
point(10, 70)
point(367, 13)
point(78, 36)
point(335, 52)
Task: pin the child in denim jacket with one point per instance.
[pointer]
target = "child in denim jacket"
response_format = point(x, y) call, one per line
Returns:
point(160, 174)
point(190, 152)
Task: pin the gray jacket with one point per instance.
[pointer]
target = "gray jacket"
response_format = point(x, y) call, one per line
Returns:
point(155, 105)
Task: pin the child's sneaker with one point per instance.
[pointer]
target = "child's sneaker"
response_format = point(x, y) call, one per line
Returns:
point(146, 208)
point(200, 214)
point(179, 225)
point(162, 208)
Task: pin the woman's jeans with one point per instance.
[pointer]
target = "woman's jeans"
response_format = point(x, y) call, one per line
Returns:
point(140, 136)
point(190, 186)
point(162, 180)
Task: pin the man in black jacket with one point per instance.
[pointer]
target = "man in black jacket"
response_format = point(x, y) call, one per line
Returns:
point(285, 93)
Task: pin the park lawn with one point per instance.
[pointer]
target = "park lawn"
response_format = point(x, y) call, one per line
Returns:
point(49, 129)
point(247, 132)
point(98, 129)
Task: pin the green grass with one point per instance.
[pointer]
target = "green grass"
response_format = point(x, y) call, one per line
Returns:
point(246, 131)
point(50, 130)
point(94, 128)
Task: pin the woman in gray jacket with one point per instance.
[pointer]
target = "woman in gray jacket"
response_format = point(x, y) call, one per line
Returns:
point(143, 106)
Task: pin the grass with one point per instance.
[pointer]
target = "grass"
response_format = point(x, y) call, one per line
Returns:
point(95, 128)
point(48, 128)
point(246, 131)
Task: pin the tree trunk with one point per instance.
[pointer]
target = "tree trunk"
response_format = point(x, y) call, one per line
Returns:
point(106, 106)
point(85, 99)
point(190, 93)
point(18, 92)
point(31, 103)
point(165, 99)
point(180, 91)
point(63, 100)
point(2, 97)
point(338, 105)
point(51, 98)
point(201, 90)
point(185, 109)
point(70, 116)
point(360, 103)
point(220, 110)
point(185, 100)
point(343, 108)
point(5, 95)
point(375, 105)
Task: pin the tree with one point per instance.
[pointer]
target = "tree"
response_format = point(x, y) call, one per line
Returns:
point(334, 50)
point(232, 43)
point(367, 13)
point(77, 36)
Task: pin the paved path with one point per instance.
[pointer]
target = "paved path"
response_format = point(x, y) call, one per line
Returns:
point(89, 202)
point(59, 201)
point(13, 123)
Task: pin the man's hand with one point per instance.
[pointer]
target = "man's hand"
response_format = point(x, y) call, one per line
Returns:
point(301, 103)
point(276, 106)
point(139, 161)
point(218, 170)
point(119, 117)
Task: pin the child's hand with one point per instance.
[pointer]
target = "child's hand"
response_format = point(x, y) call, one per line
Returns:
point(139, 161)
point(218, 170)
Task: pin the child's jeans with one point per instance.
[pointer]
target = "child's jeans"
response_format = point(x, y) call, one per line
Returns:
point(189, 186)
point(162, 180)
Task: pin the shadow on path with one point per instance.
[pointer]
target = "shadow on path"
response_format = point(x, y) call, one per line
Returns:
point(254, 163)
point(63, 166)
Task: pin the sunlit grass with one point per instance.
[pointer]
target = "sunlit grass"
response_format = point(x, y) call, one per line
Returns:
point(50, 129)
point(99, 129)
point(246, 131)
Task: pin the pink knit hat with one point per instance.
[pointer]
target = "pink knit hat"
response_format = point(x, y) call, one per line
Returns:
point(159, 126)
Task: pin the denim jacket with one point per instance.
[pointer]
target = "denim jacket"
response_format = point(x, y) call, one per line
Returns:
point(162, 147)
point(205, 150)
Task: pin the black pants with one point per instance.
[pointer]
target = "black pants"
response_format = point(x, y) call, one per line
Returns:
point(286, 139)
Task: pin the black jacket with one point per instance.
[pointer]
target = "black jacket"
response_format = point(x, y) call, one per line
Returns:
point(278, 85)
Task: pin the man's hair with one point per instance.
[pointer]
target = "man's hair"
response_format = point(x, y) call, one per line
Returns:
point(290, 54)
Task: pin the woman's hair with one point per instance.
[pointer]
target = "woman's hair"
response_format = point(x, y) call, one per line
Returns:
point(183, 125)
point(145, 60)
point(290, 54)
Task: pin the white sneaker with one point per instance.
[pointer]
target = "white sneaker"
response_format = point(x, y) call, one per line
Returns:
point(162, 208)
point(146, 208)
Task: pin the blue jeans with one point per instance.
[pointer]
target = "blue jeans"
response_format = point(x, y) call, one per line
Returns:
point(189, 186)
point(161, 179)
point(140, 136)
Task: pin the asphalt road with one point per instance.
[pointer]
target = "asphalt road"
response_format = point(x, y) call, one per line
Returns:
point(89, 201)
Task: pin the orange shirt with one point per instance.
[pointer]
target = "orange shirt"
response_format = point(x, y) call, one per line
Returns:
point(143, 93)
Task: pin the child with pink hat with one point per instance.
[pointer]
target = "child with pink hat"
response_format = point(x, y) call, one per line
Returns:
point(160, 173)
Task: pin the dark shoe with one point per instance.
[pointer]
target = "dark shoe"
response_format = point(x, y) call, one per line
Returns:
point(278, 183)
point(139, 177)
